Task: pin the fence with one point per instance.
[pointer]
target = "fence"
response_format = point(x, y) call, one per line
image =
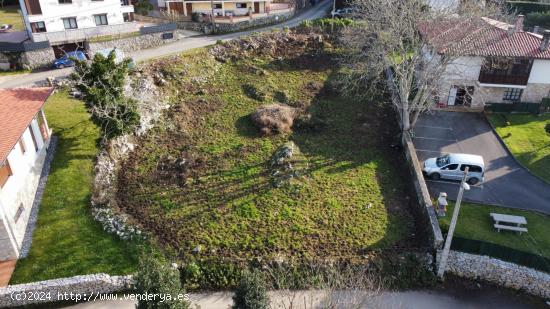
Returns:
point(500, 252)
point(23, 47)
point(158, 28)
point(519, 107)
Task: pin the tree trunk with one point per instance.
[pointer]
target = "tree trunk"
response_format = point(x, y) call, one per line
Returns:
point(405, 120)
point(414, 118)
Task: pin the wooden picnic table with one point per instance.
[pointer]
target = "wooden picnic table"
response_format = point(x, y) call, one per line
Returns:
point(518, 220)
point(509, 219)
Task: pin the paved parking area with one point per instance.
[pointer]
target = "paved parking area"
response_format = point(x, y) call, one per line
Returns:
point(506, 182)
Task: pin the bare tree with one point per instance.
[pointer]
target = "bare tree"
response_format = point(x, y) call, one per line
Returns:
point(408, 47)
point(335, 286)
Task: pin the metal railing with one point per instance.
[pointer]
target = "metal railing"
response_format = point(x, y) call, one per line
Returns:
point(73, 35)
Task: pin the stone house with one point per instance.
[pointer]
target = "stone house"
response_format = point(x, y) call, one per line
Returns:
point(24, 139)
point(493, 62)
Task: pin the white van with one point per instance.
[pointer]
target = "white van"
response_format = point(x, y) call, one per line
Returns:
point(453, 165)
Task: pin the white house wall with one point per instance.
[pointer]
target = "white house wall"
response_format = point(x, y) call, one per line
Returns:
point(83, 10)
point(540, 72)
point(21, 187)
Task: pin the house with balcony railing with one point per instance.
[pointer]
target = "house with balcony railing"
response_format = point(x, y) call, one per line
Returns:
point(74, 21)
point(497, 63)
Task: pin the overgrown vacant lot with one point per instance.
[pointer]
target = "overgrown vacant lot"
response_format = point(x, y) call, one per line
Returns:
point(203, 177)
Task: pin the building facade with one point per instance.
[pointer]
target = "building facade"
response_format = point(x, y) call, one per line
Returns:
point(499, 63)
point(222, 8)
point(24, 139)
point(70, 21)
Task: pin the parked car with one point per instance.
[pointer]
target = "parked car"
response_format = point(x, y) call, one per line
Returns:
point(342, 13)
point(67, 60)
point(452, 166)
point(119, 56)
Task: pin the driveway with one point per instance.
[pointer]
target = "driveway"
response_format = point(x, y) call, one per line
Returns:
point(38, 78)
point(506, 182)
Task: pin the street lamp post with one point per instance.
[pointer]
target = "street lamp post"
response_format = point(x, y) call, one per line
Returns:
point(447, 248)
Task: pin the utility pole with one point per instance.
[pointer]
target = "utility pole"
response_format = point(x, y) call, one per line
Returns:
point(447, 248)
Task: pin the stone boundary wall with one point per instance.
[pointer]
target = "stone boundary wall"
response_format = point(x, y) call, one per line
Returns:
point(49, 291)
point(137, 42)
point(506, 274)
point(426, 208)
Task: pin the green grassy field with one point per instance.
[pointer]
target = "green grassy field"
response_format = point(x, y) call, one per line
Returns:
point(526, 139)
point(67, 241)
point(10, 15)
point(474, 222)
point(350, 195)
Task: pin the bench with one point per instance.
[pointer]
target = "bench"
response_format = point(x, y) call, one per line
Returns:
point(510, 228)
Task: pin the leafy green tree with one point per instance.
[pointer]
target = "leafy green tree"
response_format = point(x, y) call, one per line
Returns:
point(102, 86)
point(157, 277)
point(251, 293)
point(541, 19)
point(142, 7)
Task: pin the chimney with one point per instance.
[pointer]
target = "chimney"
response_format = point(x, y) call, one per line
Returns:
point(519, 23)
point(511, 30)
point(536, 29)
point(545, 40)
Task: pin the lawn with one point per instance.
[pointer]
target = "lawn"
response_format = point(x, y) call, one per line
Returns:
point(10, 15)
point(524, 135)
point(474, 222)
point(67, 241)
point(203, 180)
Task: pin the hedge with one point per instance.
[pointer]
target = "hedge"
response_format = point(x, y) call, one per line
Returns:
point(525, 7)
point(500, 252)
point(520, 107)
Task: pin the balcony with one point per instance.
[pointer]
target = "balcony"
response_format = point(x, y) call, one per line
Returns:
point(490, 78)
point(75, 35)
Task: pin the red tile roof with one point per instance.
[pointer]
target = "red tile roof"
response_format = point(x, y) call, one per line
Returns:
point(484, 37)
point(17, 109)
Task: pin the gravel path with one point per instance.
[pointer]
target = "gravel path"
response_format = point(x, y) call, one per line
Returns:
point(27, 240)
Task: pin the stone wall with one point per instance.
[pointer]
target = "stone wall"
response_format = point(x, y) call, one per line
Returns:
point(501, 273)
point(37, 58)
point(135, 43)
point(427, 216)
point(54, 290)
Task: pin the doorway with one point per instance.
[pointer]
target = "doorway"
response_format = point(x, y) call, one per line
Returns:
point(461, 95)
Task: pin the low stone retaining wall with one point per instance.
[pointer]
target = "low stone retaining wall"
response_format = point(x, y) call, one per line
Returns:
point(54, 290)
point(428, 217)
point(501, 273)
point(137, 42)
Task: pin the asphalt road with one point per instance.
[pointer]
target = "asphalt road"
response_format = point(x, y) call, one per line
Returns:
point(506, 182)
point(33, 79)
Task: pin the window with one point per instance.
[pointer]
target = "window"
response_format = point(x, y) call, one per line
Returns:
point(472, 168)
point(38, 27)
point(22, 145)
point(70, 23)
point(33, 139)
point(5, 173)
point(65, 1)
point(128, 17)
point(100, 20)
point(241, 5)
point(217, 6)
point(512, 94)
point(18, 213)
point(450, 167)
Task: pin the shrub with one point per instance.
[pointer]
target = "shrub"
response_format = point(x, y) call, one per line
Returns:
point(547, 128)
point(541, 19)
point(143, 7)
point(102, 86)
point(525, 7)
point(251, 293)
point(274, 118)
point(155, 276)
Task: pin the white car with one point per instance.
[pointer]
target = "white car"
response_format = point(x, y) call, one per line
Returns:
point(342, 13)
point(452, 166)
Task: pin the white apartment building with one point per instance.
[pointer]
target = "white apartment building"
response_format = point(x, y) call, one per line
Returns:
point(70, 21)
point(24, 139)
